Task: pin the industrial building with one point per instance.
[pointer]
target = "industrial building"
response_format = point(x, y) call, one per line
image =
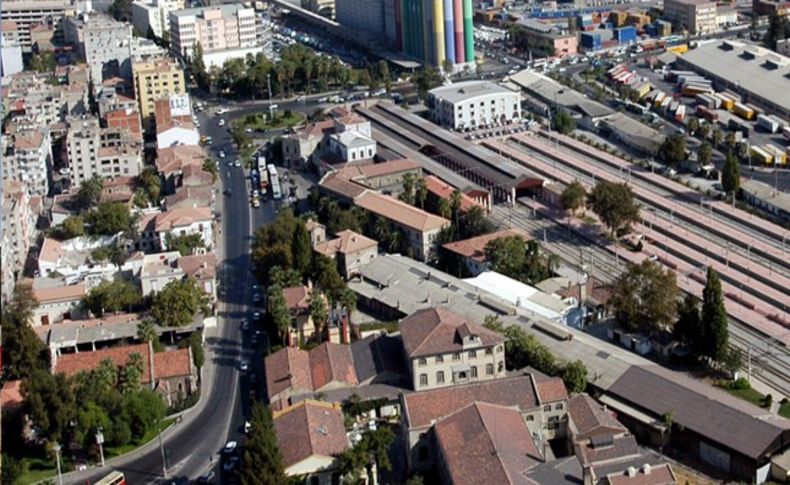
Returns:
point(473, 104)
point(695, 16)
point(758, 74)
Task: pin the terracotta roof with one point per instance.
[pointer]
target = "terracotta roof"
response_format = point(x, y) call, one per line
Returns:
point(422, 408)
point(658, 475)
point(336, 182)
point(550, 389)
point(175, 158)
point(590, 419)
point(11, 395)
point(316, 129)
point(288, 368)
point(184, 216)
point(194, 175)
point(380, 169)
point(474, 248)
point(199, 266)
point(59, 293)
point(438, 330)
point(28, 140)
point(486, 443)
point(331, 362)
point(346, 242)
point(190, 196)
point(172, 363)
point(400, 212)
point(310, 428)
point(297, 298)
point(51, 251)
point(618, 449)
point(443, 190)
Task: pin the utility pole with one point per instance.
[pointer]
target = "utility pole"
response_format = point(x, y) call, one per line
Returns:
point(162, 450)
point(269, 88)
point(56, 447)
point(100, 442)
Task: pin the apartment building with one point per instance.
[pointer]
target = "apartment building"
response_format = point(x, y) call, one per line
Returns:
point(155, 80)
point(104, 43)
point(154, 15)
point(106, 152)
point(29, 13)
point(223, 32)
point(34, 98)
point(696, 16)
point(27, 158)
point(20, 212)
point(473, 104)
point(155, 229)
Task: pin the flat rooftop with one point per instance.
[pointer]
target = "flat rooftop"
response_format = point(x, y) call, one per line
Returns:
point(550, 91)
point(227, 10)
point(765, 192)
point(462, 91)
point(755, 69)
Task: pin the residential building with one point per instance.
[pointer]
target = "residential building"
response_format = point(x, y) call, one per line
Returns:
point(302, 328)
point(29, 13)
point(154, 15)
point(472, 252)
point(419, 228)
point(106, 152)
point(158, 270)
point(156, 228)
point(27, 158)
point(170, 373)
point(317, 232)
point(292, 372)
point(300, 147)
point(439, 190)
point(72, 258)
point(542, 403)
point(191, 196)
point(125, 119)
point(311, 436)
point(10, 49)
point(752, 71)
point(350, 249)
point(726, 16)
point(203, 269)
point(695, 16)
point(154, 80)
point(223, 32)
point(171, 163)
point(443, 348)
point(20, 213)
point(35, 100)
point(351, 181)
point(473, 104)
point(56, 301)
point(145, 50)
point(174, 125)
point(42, 36)
point(104, 43)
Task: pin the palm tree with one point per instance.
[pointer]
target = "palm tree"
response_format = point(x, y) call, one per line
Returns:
point(420, 192)
point(146, 330)
point(444, 209)
point(455, 205)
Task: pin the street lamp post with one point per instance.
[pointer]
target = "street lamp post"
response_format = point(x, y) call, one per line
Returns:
point(162, 450)
point(269, 88)
point(56, 447)
point(100, 441)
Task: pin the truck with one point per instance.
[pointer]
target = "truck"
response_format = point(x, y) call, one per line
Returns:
point(743, 111)
point(726, 101)
point(778, 155)
point(758, 155)
point(680, 113)
point(768, 123)
point(707, 113)
point(693, 89)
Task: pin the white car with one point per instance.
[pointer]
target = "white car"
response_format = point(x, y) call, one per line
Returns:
point(221, 122)
point(243, 366)
point(237, 163)
point(230, 447)
point(222, 154)
point(221, 111)
point(247, 427)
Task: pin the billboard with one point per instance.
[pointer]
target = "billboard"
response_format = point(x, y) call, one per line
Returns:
point(180, 105)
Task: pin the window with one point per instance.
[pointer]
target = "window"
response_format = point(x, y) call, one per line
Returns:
point(558, 406)
point(473, 371)
point(530, 417)
point(554, 422)
point(547, 407)
point(489, 351)
point(472, 354)
point(423, 379)
point(490, 369)
point(501, 366)
point(422, 361)
point(440, 377)
point(499, 349)
point(439, 359)
point(457, 356)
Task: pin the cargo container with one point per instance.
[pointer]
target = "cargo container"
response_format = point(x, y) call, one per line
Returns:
point(641, 90)
point(672, 107)
point(767, 123)
point(695, 89)
point(591, 41)
point(706, 113)
point(680, 113)
point(758, 155)
point(673, 75)
point(740, 126)
point(665, 104)
point(743, 111)
point(693, 79)
point(625, 35)
point(732, 94)
point(755, 109)
point(726, 101)
point(782, 123)
point(709, 101)
point(678, 49)
point(661, 96)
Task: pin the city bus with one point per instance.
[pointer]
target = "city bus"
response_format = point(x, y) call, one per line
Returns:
point(114, 478)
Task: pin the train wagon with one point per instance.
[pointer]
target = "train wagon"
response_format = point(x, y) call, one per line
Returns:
point(726, 101)
point(778, 155)
point(743, 111)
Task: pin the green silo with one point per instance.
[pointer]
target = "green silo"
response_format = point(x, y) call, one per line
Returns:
point(469, 32)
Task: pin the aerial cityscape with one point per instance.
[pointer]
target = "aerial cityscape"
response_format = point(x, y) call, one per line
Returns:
point(396, 242)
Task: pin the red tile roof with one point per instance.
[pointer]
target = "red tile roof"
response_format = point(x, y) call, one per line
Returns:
point(400, 212)
point(551, 390)
point(310, 428)
point(331, 362)
point(443, 190)
point(59, 293)
point(424, 407)
point(486, 443)
point(590, 419)
point(475, 248)
point(438, 330)
point(299, 371)
point(297, 298)
point(173, 363)
point(346, 242)
point(184, 216)
point(11, 395)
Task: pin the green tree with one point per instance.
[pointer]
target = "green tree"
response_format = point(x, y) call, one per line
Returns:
point(407, 193)
point(519, 259)
point(178, 302)
point(474, 223)
point(262, 463)
point(185, 244)
point(145, 410)
point(318, 312)
point(705, 153)
point(689, 329)
point(198, 352)
point(149, 188)
point(563, 122)
point(50, 404)
point(574, 375)
point(131, 373)
point(572, 198)
point(112, 297)
point(23, 350)
point(614, 203)
point(73, 226)
point(302, 249)
point(13, 470)
point(198, 67)
point(673, 150)
point(731, 175)
point(327, 277)
point(372, 448)
point(420, 192)
point(714, 318)
point(43, 62)
point(717, 136)
point(121, 10)
point(89, 419)
point(778, 29)
point(210, 167)
point(522, 350)
point(108, 219)
point(692, 124)
point(89, 194)
point(644, 297)
point(284, 278)
point(279, 311)
point(146, 332)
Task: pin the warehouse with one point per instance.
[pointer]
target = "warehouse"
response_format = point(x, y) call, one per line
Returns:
point(760, 75)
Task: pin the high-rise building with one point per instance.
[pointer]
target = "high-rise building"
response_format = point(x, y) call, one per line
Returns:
point(154, 15)
point(106, 152)
point(695, 16)
point(27, 158)
point(28, 13)
point(156, 80)
point(105, 44)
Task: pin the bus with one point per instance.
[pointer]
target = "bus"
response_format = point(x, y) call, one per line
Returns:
point(114, 478)
point(277, 193)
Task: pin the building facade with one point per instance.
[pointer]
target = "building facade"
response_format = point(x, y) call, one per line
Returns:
point(27, 158)
point(695, 16)
point(154, 15)
point(18, 231)
point(220, 28)
point(106, 152)
point(155, 80)
point(29, 13)
point(104, 43)
point(473, 104)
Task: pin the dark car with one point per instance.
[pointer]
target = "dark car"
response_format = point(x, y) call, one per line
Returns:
point(207, 477)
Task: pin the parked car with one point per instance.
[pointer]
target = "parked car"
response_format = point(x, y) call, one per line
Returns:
point(230, 447)
point(231, 463)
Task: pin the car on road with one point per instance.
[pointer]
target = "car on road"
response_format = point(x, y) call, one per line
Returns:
point(207, 477)
point(231, 463)
point(256, 297)
point(237, 163)
point(247, 425)
point(243, 365)
point(253, 378)
point(221, 111)
point(254, 339)
point(221, 122)
point(247, 130)
point(222, 154)
point(256, 203)
point(256, 316)
point(227, 192)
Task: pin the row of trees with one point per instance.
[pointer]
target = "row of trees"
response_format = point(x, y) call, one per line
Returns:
point(520, 260)
point(613, 203)
point(522, 350)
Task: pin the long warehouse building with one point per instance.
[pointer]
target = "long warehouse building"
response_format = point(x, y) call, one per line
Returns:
point(758, 74)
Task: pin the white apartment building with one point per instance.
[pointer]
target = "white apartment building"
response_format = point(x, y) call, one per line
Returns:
point(223, 32)
point(695, 16)
point(473, 104)
point(107, 152)
point(20, 212)
point(154, 229)
point(26, 13)
point(104, 43)
point(154, 15)
point(27, 158)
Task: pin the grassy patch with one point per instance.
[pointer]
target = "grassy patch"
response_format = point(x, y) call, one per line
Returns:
point(110, 452)
point(749, 394)
point(784, 409)
point(39, 469)
point(588, 220)
point(282, 119)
